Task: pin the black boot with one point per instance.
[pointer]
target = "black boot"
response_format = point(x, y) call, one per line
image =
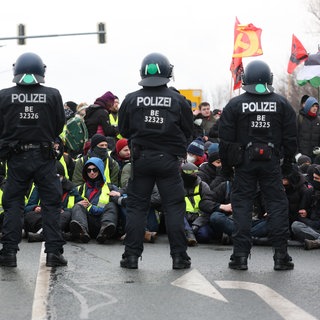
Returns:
point(282, 260)
point(238, 262)
point(55, 260)
point(8, 258)
point(181, 261)
point(129, 261)
point(79, 232)
point(191, 238)
point(107, 230)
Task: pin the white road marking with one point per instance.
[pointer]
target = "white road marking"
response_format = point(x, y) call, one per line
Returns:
point(84, 307)
point(41, 292)
point(196, 282)
point(286, 309)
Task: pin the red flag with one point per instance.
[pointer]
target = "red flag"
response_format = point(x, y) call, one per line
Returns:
point(247, 40)
point(298, 54)
point(236, 68)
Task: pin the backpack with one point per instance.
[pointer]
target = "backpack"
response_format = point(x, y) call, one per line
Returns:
point(76, 134)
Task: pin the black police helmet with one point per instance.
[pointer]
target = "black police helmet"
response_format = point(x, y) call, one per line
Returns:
point(257, 78)
point(155, 71)
point(28, 69)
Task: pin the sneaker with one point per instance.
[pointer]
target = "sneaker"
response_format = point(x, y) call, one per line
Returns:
point(55, 260)
point(106, 232)
point(8, 258)
point(181, 261)
point(282, 261)
point(150, 237)
point(238, 262)
point(129, 261)
point(311, 244)
point(78, 231)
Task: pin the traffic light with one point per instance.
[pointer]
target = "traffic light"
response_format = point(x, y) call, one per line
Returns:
point(101, 33)
point(21, 33)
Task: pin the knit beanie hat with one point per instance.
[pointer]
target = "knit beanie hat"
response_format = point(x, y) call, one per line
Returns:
point(196, 147)
point(106, 100)
point(303, 159)
point(207, 144)
point(72, 105)
point(213, 152)
point(96, 139)
point(309, 103)
point(121, 144)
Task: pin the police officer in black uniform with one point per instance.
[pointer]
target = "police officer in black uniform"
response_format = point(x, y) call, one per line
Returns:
point(158, 123)
point(256, 130)
point(31, 117)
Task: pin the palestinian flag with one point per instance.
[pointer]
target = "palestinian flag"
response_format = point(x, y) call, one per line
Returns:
point(310, 71)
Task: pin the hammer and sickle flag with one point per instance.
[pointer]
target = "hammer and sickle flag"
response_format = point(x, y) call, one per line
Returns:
point(247, 40)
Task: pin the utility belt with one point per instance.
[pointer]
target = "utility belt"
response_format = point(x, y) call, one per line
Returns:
point(46, 148)
point(260, 151)
point(27, 147)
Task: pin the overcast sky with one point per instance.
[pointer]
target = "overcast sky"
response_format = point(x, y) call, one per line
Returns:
point(196, 36)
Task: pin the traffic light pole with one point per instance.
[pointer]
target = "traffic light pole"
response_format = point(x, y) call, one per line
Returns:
point(21, 37)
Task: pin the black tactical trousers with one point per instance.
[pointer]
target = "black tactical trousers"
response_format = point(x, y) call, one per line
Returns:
point(163, 169)
point(266, 175)
point(23, 168)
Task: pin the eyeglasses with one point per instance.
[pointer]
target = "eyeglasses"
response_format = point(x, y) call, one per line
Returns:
point(92, 169)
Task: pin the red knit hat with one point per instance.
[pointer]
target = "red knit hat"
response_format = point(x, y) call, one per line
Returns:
point(121, 144)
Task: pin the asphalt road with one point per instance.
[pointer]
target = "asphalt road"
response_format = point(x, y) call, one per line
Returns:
point(93, 286)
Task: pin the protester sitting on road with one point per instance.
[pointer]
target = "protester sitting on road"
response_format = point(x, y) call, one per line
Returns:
point(98, 148)
point(303, 163)
point(195, 152)
point(221, 219)
point(153, 217)
point(196, 219)
point(121, 154)
point(95, 216)
point(65, 159)
point(210, 172)
point(33, 212)
point(298, 192)
point(306, 228)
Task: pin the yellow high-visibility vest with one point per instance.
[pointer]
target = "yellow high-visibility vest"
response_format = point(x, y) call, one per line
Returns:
point(197, 198)
point(114, 122)
point(103, 198)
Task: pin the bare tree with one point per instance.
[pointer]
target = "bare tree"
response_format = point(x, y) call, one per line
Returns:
point(314, 9)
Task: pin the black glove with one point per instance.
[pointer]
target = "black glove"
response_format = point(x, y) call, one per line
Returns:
point(287, 167)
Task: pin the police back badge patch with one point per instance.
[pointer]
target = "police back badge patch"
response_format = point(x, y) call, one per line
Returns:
point(154, 118)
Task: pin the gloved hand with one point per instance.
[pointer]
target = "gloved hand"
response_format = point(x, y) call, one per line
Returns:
point(287, 167)
point(316, 150)
point(121, 201)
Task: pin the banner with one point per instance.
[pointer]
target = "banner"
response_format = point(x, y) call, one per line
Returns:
point(247, 40)
point(298, 54)
point(236, 68)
